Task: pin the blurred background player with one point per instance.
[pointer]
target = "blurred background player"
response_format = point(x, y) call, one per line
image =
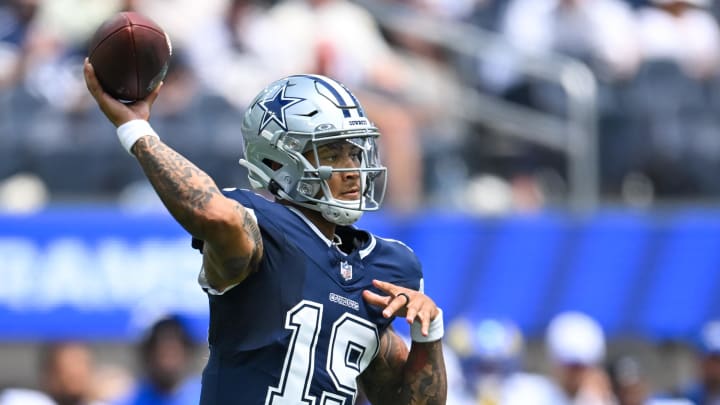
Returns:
point(67, 374)
point(632, 387)
point(492, 352)
point(66, 377)
point(576, 350)
point(706, 387)
point(166, 356)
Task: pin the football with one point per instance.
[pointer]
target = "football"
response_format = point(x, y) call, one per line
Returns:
point(130, 54)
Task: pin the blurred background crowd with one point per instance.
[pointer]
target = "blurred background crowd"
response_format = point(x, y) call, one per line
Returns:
point(491, 105)
point(490, 108)
point(488, 363)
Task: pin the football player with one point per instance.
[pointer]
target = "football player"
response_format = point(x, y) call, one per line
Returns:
point(301, 301)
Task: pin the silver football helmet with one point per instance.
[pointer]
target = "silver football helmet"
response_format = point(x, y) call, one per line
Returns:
point(292, 117)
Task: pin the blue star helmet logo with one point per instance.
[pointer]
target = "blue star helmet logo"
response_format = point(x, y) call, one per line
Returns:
point(275, 106)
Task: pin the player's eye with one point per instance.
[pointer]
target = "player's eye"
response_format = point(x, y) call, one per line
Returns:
point(356, 155)
point(329, 157)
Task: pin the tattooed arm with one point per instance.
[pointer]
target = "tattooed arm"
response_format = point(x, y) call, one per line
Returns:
point(233, 245)
point(398, 376)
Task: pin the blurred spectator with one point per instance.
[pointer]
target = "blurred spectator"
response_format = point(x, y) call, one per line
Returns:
point(486, 14)
point(181, 19)
point(240, 44)
point(600, 32)
point(16, 16)
point(68, 23)
point(706, 390)
point(66, 377)
point(67, 373)
point(576, 347)
point(441, 132)
point(55, 47)
point(681, 31)
point(111, 382)
point(449, 9)
point(22, 193)
point(166, 358)
point(664, 124)
point(631, 386)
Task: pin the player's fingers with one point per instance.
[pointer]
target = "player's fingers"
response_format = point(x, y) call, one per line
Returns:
point(424, 318)
point(412, 313)
point(90, 80)
point(389, 288)
point(93, 85)
point(154, 95)
point(397, 305)
point(376, 299)
point(392, 304)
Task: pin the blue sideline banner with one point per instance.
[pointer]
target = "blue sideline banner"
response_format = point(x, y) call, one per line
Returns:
point(103, 274)
point(95, 274)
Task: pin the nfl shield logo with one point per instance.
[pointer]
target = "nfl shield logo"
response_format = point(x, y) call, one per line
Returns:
point(346, 270)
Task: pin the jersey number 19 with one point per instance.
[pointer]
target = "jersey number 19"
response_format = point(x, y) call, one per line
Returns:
point(353, 344)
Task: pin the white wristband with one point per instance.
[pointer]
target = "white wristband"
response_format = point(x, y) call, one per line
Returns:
point(435, 332)
point(131, 131)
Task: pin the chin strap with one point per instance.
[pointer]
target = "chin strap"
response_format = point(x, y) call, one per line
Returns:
point(339, 216)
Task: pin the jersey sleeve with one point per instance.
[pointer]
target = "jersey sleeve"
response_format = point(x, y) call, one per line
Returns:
point(241, 196)
point(248, 200)
point(400, 265)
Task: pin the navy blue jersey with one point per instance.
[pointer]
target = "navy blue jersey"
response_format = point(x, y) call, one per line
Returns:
point(297, 331)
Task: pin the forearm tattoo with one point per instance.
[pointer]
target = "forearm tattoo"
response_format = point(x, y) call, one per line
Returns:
point(398, 377)
point(182, 186)
point(253, 230)
point(425, 379)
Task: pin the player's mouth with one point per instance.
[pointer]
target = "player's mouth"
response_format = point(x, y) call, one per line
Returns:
point(352, 194)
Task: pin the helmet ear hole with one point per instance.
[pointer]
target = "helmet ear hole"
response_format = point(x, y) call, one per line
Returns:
point(273, 165)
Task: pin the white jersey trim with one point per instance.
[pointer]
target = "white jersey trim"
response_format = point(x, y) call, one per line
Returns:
point(202, 280)
point(363, 253)
point(369, 248)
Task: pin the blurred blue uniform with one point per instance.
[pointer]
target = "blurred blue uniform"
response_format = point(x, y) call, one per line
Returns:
point(298, 328)
point(145, 393)
point(703, 391)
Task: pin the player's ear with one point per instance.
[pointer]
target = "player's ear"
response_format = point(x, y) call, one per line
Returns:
point(273, 164)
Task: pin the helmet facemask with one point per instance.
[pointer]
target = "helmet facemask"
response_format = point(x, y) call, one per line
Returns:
point(314, 187)
point(285, 131)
